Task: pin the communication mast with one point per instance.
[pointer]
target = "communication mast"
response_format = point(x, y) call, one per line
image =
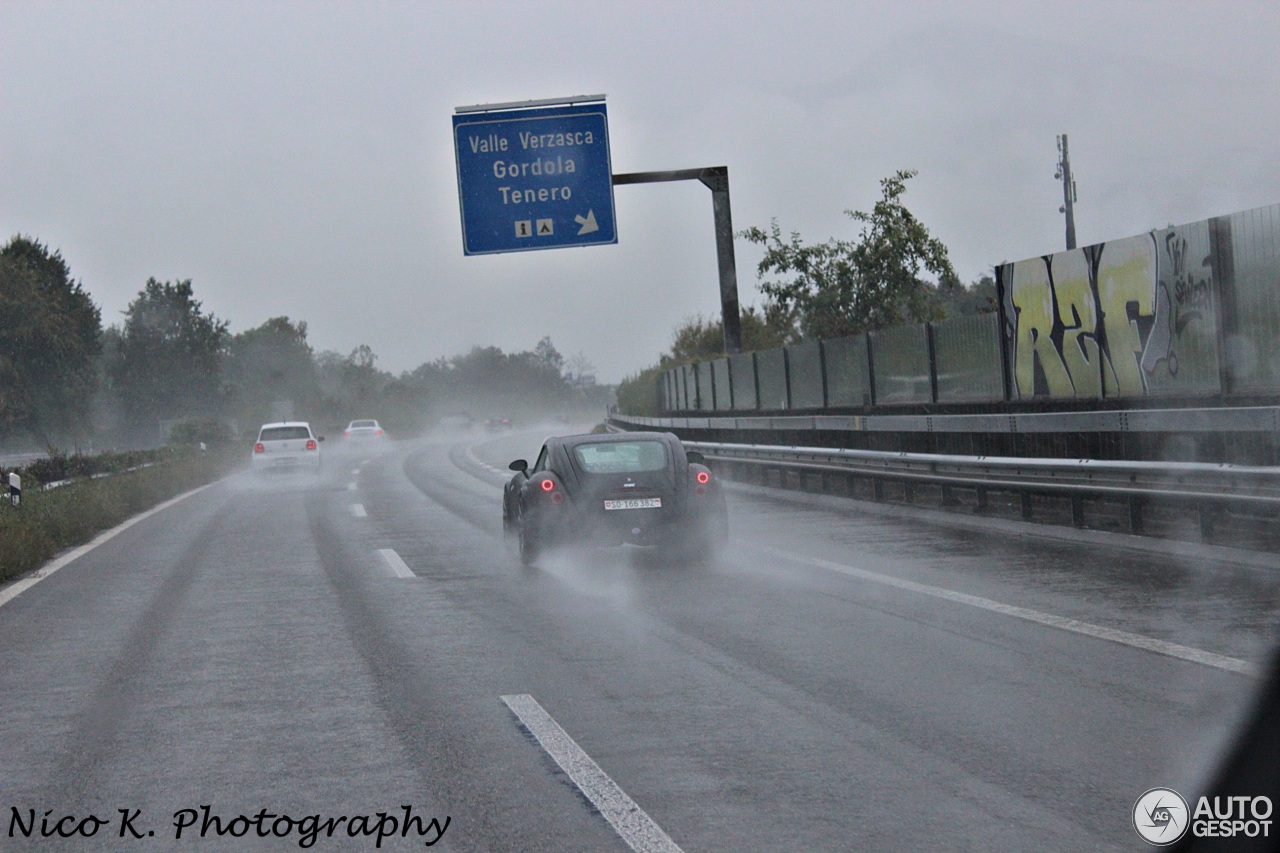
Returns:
point(1068, 190)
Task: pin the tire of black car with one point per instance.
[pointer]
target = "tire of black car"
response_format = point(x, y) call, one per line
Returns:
point(528, 545)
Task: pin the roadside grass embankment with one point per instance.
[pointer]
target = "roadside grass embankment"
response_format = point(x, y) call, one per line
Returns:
point(50, 521)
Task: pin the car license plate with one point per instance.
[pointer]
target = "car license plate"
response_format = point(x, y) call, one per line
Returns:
point(634, 503)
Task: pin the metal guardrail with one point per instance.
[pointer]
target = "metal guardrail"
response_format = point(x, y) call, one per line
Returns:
point(1219, 420)
point(1207, 488)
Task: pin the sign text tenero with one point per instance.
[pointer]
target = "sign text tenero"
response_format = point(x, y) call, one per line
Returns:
point(533, 178)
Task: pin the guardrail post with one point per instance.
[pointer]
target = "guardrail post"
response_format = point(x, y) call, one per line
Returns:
point(1207, 518)
point(948, 498)
point(1077, 511)
point(877, 489)
point(1025, 499)
point(1135, 514)
point(980, 494)
point(908, 491)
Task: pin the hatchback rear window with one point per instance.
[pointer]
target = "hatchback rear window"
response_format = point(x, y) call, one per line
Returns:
point(282, 433)
point(621, 457)
point(358, 424)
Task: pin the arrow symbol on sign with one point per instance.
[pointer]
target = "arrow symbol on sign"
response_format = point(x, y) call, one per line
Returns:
point(587, 222)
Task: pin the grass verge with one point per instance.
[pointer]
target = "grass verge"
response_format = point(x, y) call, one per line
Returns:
point(51, 521)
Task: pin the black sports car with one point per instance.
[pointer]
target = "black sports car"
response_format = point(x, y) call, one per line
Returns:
point(608, 489)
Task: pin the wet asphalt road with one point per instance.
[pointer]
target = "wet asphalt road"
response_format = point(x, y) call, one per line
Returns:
point(842, 678)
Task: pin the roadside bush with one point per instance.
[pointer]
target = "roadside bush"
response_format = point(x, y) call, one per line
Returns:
point(59, 466)
point(196, 430)
point(638, 395)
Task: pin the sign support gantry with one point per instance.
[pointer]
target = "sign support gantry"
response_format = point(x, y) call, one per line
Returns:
point(716, 179)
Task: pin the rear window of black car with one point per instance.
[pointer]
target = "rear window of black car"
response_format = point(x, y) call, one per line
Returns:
point(282, 433)
point(621, 457)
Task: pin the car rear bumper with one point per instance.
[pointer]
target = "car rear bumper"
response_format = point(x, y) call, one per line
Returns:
point(646, 527)
point(282, 461)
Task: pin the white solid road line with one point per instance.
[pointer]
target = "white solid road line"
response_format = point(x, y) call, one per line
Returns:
point(358, 510)
point(351, 487)
point(630, 821)
point(1161, 647)
point(14, 590)
point(397, 565)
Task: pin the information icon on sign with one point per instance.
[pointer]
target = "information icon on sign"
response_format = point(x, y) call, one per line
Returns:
point(524, 228)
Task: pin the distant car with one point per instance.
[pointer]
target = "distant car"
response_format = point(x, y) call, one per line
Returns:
point(610, 489)
point(498, 423)
point(288, 444)
point(364, 429)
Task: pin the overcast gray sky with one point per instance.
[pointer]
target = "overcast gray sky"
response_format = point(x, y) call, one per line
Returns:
point(296, 158)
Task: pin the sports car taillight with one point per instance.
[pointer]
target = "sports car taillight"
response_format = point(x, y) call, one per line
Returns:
point(259, 448)
point(311, 444)
point(547, 485)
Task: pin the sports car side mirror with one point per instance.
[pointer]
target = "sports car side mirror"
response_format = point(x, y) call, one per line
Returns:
point(520, 465)
point(696, 457)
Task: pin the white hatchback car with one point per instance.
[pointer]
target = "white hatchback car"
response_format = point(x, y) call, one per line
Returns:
point(289, 444)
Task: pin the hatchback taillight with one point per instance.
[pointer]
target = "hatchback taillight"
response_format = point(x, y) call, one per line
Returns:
point(704, 477)
point(259, 448)
point(311, 444)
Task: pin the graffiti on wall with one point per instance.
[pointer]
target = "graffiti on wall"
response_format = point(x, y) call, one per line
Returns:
point(1126, 318)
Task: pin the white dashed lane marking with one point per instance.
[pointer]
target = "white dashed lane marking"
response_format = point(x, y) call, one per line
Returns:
point(632, 824)
point(1137, 641)
point(358, 510)
point(395, 564)
point(499, 471)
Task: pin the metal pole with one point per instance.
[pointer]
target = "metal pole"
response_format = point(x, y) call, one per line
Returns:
point(729, 310)
point(716, 179)
point(1068, 190)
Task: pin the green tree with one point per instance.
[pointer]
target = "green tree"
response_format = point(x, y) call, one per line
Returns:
point(168, 361)
point(271, 363)
point(703, 338)
point(958, 300)
point(352, 386)
point(700, 339)
point(546, 354)
point(845, 287)
point(50, 340)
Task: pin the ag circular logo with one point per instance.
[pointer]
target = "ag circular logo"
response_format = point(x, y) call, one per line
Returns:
point(1161, 816)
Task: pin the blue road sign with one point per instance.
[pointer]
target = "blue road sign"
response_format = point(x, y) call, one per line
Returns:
point(534, 179)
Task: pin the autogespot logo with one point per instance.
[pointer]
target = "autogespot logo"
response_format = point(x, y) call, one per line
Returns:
point(1160, 816)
